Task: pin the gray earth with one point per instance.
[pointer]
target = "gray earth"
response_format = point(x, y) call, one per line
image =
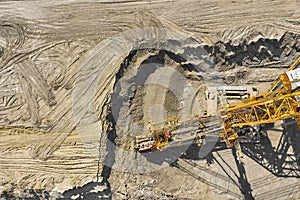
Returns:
point(79, 79)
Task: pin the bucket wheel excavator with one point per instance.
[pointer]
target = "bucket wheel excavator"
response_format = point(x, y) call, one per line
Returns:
point(282, 101)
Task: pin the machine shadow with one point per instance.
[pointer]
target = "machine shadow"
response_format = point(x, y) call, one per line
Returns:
point(282, 160)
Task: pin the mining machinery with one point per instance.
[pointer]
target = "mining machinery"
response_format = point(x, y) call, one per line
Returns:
point(282, 101)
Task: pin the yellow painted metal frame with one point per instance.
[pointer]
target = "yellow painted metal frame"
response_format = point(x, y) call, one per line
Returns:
point(264, 110)
point(278, 81)
point(276, 104)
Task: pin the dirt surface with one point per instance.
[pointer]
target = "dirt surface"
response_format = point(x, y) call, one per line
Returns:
point(79, 79)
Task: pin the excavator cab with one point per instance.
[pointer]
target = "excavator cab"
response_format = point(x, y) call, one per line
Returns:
point(161, 140)
point(291, 83)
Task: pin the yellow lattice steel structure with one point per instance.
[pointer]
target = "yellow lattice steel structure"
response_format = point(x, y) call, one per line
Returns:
point(264, 111)
point(276, 104)
point(278, 81)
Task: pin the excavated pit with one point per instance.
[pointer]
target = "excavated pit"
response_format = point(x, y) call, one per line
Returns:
point(141, 101)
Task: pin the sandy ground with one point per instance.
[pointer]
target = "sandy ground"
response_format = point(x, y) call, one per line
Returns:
point(75, 75)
